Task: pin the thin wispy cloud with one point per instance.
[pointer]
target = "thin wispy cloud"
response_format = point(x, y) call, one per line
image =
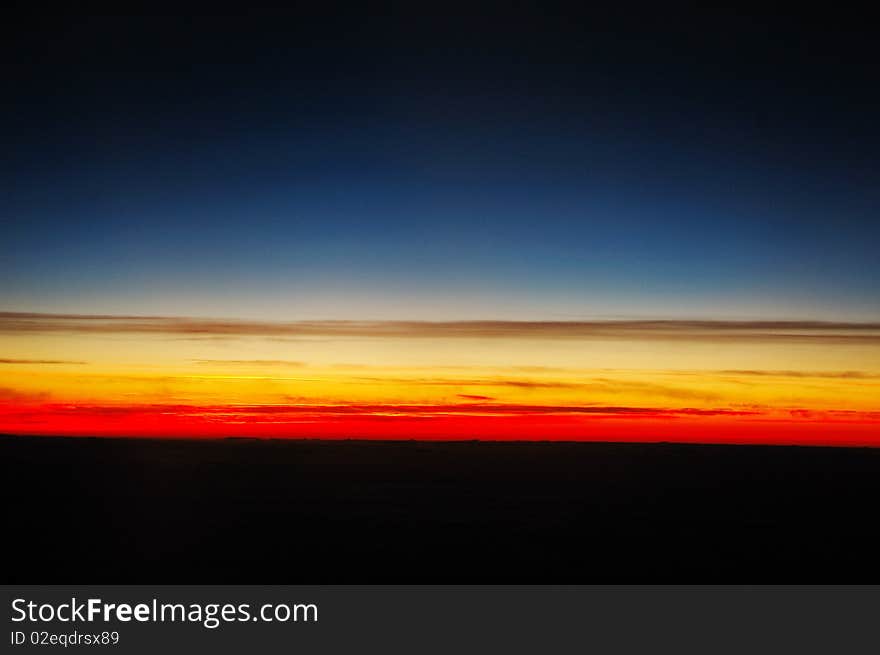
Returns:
point(596, 385)
point(837, 375)
point(9, 395)
point(40, 361)
point(387, 409)
point(249, 362)
point(818, 331)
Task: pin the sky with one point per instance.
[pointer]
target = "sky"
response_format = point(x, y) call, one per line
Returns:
point(405, 223)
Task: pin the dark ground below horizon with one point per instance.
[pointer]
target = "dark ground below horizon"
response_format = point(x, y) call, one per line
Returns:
point(103, 511)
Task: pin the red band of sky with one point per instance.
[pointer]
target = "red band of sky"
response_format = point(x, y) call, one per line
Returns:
point(395, 424)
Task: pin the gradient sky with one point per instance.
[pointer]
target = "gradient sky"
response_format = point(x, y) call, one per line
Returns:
point(526, 165)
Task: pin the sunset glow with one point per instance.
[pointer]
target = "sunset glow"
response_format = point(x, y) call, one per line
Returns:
point(692, 381)
point(528, 229)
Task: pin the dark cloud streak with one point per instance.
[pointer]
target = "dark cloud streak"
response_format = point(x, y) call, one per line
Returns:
point(826, 332)
point(40, 361)
point(403, 410)
point(838, 375)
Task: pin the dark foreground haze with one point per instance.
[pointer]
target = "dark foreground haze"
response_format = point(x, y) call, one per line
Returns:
point(104, 511)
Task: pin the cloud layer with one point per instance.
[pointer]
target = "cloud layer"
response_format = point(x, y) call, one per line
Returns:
point(821, 331)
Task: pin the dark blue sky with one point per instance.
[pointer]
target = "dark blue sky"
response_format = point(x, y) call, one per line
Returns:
point(509, 164)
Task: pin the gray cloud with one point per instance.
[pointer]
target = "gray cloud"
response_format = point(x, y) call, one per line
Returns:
point(694, 330)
